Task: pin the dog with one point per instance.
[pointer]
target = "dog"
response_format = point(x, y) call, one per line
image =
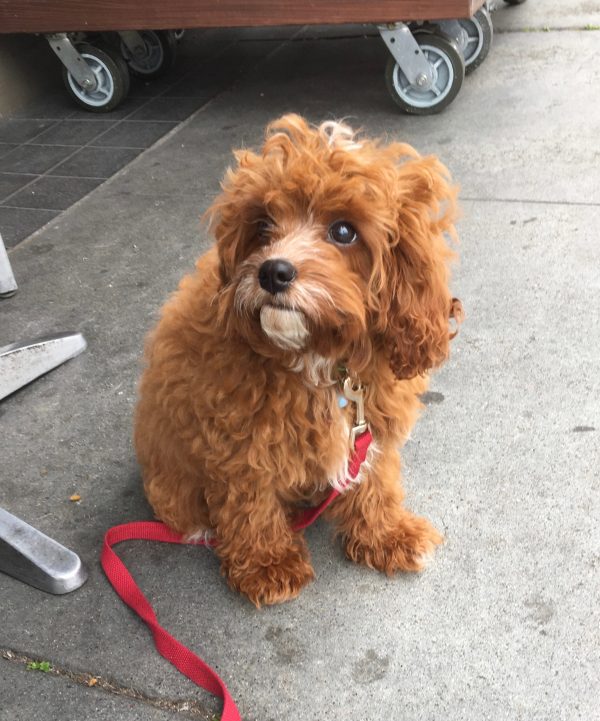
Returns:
point(331, 262)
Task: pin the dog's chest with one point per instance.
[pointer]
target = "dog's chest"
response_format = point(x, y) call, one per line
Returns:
point(317, 442)
point(280, 425)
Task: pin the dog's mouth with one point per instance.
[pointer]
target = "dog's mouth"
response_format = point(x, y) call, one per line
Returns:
point(285, 327)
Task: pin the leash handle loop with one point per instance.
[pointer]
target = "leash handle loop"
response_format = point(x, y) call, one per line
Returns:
point(169, 647)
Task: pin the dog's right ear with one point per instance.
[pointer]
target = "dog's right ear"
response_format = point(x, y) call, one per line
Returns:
point(228, 215)
point(227, 241)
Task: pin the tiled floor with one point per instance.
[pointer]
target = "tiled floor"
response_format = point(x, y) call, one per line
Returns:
point(53, 153)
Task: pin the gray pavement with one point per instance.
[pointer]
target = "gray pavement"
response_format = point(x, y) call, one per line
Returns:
point(29, 695)
point(505, 622)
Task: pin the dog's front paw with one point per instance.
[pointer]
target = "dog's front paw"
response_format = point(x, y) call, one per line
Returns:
point(274, 583)
point(407, 548)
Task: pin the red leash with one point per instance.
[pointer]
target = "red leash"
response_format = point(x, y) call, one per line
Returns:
point(121, 580)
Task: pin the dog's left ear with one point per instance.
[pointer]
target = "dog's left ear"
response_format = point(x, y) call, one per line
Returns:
point(419, 305)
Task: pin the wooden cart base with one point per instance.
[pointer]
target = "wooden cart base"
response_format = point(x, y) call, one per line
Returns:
point(49, 16)
point(432, 43)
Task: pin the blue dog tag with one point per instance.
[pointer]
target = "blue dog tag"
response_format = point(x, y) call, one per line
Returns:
point(342, 401)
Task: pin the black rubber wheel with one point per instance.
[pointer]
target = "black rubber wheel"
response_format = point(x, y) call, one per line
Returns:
point(161, 50)
point(448, 67)
point(480, 33)
point(514, 2)
point(112, 79)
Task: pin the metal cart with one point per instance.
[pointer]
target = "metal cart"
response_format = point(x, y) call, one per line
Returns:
point(100, 43)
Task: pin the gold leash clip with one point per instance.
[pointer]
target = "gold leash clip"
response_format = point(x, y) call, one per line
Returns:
point(354, 391)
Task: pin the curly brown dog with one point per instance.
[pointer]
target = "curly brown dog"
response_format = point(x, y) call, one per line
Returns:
point(330, 262)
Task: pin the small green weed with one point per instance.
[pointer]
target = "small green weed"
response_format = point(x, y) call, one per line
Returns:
point(39, 666)
point(589, 26)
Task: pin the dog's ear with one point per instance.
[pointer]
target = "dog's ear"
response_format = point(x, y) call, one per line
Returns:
point(229, 214)
point(419, 305)
point(246, 186)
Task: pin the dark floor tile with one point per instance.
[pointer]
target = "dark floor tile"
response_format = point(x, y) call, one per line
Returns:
point(128, 106)
point(207, 43)
point(96, 162)
point(54, 193)
point(20, 131)
point(73, 132)
point(34, 159)
point(202, 86)
point(196, 50)
point(151, 88)
point(6, 148)
point(17, 223)
point(146, 89)
point(11, 182)
point(167, 109)
point(134, 134)
point(207, 79)
point(51, 107)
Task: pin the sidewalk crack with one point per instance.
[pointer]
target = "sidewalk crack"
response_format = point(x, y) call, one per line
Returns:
point(187, 708)
point(533, 201)
point(548, 29)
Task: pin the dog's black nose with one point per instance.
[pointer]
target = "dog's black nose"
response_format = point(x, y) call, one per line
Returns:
point(275, 275)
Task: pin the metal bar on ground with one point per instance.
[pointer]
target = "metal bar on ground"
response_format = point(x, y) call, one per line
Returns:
point(36, 559)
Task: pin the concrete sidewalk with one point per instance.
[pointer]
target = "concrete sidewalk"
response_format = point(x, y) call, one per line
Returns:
point(505, 624)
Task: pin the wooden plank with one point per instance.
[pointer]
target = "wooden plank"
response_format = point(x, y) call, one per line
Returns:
point(17, 16)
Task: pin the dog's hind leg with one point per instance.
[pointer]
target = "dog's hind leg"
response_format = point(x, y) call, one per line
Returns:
point(376, 529)
point(177, 501)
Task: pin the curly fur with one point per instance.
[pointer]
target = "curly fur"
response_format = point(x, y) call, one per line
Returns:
point(238, 420)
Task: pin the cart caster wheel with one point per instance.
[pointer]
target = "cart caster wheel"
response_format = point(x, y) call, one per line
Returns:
point(159, 57)
point(112, 79)
point(480, 31)
point(448, 67)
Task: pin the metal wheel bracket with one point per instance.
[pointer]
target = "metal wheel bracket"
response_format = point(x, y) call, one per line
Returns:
point(407, 53)
point(453, 29)
point(72, 60)
point(134, 42)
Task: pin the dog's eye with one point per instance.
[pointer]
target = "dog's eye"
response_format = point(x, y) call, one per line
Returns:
point(264, 228)
point(342, 232)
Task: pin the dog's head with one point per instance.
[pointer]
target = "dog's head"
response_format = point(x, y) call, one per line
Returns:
point(335, 245)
